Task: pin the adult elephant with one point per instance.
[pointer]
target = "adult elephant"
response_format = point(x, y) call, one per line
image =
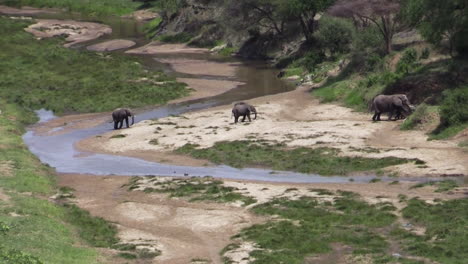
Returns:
point(243, 109)
point(121, 114)
point(392, 104)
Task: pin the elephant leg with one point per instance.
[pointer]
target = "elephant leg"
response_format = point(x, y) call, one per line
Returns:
point(378, 116)
point(236, 118)
point(126, 122)
point(243, 118)
point(248, 115)
point(116, 124)
point(120, 124)
point(374, 118)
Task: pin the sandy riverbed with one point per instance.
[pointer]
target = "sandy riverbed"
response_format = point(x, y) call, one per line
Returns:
point(296, 119)
point(184, 231)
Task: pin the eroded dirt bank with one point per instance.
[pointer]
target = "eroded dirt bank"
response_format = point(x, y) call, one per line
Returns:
point(296, 119)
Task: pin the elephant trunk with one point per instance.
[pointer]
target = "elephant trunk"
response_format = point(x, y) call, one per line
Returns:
point(133, 120)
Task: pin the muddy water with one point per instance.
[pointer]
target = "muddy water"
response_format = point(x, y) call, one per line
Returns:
point(58, 150)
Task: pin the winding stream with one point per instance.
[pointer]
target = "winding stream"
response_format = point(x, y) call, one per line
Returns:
point(58, 150)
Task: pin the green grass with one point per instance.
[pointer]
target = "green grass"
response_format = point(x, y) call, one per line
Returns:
point(227, 51)
point(151, 27)
point(442, 186)
point(41, 232)
point(445, 239)
point(311, 227)
point(196, 188)
point(324, 161)
point(90, 7)
point(94, 230)
point(43, 74)
point(421, 115)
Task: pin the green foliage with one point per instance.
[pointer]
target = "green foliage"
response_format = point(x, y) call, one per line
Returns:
point(425, 54)
point(95, 7)
point(311, 226)
point(437, 20)
point(13, 256)
point(43, 74)
point(324, 161)
point(170, 6)
point(94, 230)
point(442, 186)
point(34, 229)
point(408, 61)
point(368, 39)
point(151, 27)
point(416, 118)
point(197, 188)
point(335, 34)
point(445, 238)
point(453, 112)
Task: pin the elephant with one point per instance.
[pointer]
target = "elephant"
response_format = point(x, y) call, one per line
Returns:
point(392, 104)
point(121, 114)
point(402, 115)
point(243, 109)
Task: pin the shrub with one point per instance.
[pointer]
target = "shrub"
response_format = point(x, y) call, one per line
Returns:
point(453, 110)
point(425, 54)
point(408, 61)
point(416, 118)
point(335, 34)
point(368, 39)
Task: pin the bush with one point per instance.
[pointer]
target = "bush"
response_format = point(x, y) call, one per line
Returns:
point(425, 54)
point(453, 110)
point(416, 118)
point(368, 39)
point(335, 34)
point(408, 61)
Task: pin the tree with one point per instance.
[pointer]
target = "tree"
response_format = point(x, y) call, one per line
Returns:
point(336, 34)
point(381, 13)
point(274, 14)
point(440, 20)
point(304, 11)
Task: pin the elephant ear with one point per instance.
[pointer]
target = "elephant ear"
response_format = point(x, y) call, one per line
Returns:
point(397, 102)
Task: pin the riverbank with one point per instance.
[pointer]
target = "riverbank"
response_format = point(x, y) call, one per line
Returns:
point(187, 231)
point(295, 119)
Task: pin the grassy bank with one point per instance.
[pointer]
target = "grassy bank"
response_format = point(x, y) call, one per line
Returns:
point(43, 74)
point(324, 161)
point(318, 229)
point(33, 229)
point(195, 188)
point(94, 7)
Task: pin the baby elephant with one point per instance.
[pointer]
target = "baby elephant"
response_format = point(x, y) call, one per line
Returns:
point(243, 109)
point(121, 114)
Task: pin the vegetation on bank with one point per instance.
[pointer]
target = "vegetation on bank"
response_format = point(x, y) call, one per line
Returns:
point(196, 188)
point(43, 74)
point(33, 229)
point(94, 7)
point(324, 161)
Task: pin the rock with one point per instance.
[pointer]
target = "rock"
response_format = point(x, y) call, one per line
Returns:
point(111, 45)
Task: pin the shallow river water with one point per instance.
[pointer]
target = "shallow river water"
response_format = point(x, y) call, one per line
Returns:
point(59, 152)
